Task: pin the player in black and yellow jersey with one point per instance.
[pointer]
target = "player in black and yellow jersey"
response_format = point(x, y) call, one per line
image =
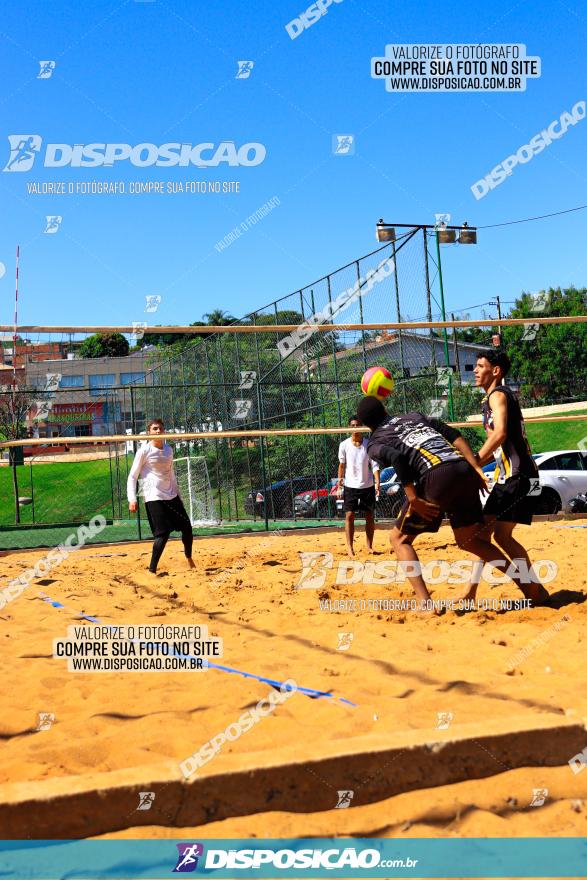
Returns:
point(516, 473)
point(440, 474)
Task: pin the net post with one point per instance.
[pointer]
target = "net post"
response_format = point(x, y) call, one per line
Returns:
point(263, 471)
point(190, 488)
point(134, 430)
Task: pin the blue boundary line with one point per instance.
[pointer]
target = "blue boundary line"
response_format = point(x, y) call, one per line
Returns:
point(309, 692)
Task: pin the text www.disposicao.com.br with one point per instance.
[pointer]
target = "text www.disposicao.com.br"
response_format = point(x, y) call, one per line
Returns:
point(135, 664)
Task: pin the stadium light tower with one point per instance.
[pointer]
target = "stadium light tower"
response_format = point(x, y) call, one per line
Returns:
point(443, 234)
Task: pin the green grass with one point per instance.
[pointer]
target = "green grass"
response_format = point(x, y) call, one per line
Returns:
point(556, 435)
point(24, 538)
point(546, 436)
point(62, 491)
point(69, 492)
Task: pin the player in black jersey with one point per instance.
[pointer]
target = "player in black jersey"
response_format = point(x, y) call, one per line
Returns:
point(516, 473)
point(440, 474)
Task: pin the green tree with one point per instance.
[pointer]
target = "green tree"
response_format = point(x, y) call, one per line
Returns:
point(14, 408)
point(549, 360)
point(219, 318)
point(104, 345)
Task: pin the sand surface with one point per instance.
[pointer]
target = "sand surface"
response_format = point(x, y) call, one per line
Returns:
point(400, 671)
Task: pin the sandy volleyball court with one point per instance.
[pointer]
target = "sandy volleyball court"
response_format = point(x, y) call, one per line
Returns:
point(397, 675)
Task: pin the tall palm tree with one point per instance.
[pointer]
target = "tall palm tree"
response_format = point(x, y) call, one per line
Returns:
point(219, 318)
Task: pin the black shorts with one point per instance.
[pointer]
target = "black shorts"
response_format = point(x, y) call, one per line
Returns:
point(510, 502)
point(358, 500)
point(167, 516)
point(454, 487)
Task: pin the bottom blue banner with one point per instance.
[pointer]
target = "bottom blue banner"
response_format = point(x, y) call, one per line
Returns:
point(312, 857)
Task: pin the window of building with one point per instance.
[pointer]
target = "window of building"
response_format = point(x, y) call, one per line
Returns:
point(469, 368)
point(132, 378)
point(71, 382)
point(82, 430)
point(100, 383)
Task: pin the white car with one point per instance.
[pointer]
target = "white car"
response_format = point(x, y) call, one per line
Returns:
point(562, 474)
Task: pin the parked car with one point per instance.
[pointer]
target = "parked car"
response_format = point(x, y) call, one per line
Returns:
point(391, 495)
point(279, 497)
point(562, 474)
point(317, 502)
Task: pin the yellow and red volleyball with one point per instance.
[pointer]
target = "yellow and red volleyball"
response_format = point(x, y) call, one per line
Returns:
point(377, 382)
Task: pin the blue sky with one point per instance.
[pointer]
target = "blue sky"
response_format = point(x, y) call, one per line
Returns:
point(161, 71)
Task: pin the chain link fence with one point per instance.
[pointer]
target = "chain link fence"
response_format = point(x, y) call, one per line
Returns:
point(304, 379)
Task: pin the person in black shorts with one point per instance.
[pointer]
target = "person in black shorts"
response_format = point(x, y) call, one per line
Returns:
point(358, 484)
point(516, 473)
point(153, 463)
point(440, 475)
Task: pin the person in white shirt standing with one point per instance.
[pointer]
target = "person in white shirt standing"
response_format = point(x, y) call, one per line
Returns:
point(358, 484)
point(165, 511)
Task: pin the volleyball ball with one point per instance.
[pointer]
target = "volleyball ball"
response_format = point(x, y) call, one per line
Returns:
point(377, 382)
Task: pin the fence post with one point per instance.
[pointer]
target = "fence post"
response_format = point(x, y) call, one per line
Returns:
point(361, 321)
point(32, 489)
point(429, 303)
point(263, 473)
point(399, 332)
point(134, 430)
point(451, 411)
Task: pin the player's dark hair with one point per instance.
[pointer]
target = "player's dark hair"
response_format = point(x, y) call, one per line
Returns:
point(371, 412)
point(354, 419)
point(497, 358)
point(155, 422)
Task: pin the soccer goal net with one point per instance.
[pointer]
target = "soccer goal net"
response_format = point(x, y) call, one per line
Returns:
point(195, 489)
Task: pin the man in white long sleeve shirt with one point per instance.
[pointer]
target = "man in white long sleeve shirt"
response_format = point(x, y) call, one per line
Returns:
point(358, 484)
point(153, 463)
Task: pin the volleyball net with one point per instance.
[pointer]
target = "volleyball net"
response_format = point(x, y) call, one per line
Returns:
point(248, 454)
point(229, 392)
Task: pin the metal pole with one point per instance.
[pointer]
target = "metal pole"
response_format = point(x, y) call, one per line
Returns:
point(444, 333)
point(111, 482)
point(309, 384)
point(334, 360)
point(212, 415)
point(456, 348)
point(134, 430)
point(399, 332)
point(263, 474)
point(361, 314)
point(32, 490)
point(429, 301)
point(324, 439)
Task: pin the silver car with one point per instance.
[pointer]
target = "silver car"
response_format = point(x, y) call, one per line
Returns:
point(563, 474)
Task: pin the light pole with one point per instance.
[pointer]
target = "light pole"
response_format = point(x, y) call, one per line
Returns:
point(497, 336)
point(444, 234)
point(451, 409)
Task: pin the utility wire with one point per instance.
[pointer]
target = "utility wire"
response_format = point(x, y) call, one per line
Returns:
point(530, 219)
